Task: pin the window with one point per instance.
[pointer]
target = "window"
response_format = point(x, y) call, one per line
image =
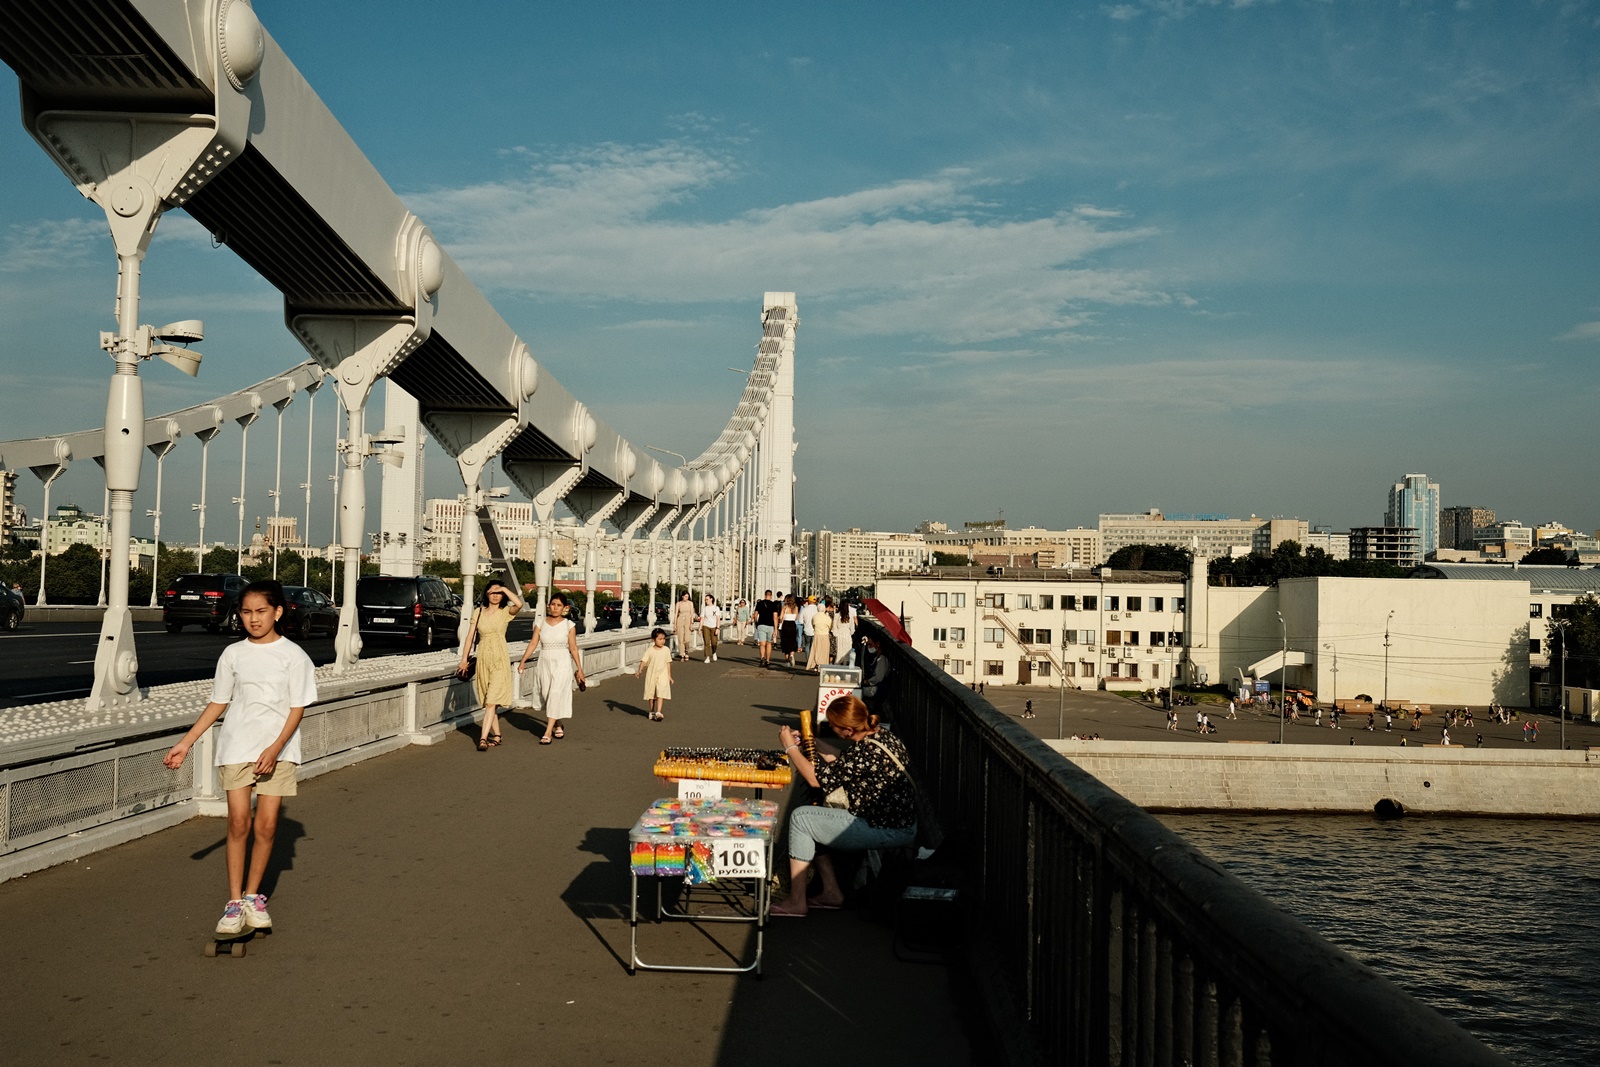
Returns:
point(1043, 669)
point(1113, 637)
point(1116, 670)
point(994, 600)
point(1041, 637)
point(1025, 601)
point(1178, 603)
point(958, 633)
point(1069, 603)
point(1155, 670)
point(1069, 670)
point(1089, 603)
point(1157, 638)
point(1047, 602)
point(994, 668)
point(1112, 603)
point(994, 635)
point(1561, 611)
point(941, 634)
point(1174, 638)
point(1085, 669)
point(1131, 637)
point(1025, 635)
point(1156, 603)
point(1134, 602)
point(1087, 636)
point(958, 600)
point(1133, 670)
point(1533, 646)
point(941, 600)
point(1535, 611)
point(958, 666)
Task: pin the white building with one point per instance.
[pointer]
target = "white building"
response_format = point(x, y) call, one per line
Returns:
point(1078, 547)
point(71, 525)
point(899, 553)
point(1336, 545)
point(846, 558)
point(442, 526)
point(1216, 535)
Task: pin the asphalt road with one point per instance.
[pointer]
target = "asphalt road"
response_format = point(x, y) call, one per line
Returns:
point(55, 660)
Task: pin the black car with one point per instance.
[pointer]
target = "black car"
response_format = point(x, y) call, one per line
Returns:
point(12, 609)
point(211, 600)
point(307, 612)
point(418, 609)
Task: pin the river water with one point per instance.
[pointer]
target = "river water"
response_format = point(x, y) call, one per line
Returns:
point(1494, 922)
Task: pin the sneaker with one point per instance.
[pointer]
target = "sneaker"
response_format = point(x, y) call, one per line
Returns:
point(232, 921)
point(255, 912)
point(713, 657)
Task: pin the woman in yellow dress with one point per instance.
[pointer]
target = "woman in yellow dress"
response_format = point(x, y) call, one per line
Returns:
point(498, 606)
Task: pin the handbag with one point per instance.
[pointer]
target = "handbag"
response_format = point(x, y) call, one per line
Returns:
point(837, 799)
point(929, 834)
point(472, 657)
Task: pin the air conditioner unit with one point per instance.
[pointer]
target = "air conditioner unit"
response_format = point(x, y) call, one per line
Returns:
point(1115, 616)
point(961, 644)
point(941, 644)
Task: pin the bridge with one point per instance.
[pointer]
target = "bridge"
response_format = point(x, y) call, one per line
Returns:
point(454, 914)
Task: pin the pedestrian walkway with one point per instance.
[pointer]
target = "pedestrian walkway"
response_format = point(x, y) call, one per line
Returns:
point(442, 905)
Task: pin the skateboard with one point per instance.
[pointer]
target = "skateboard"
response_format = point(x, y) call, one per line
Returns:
point(232, 944)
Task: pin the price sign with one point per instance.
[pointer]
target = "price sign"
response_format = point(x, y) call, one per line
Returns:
point(739, 857)
point(693, 789)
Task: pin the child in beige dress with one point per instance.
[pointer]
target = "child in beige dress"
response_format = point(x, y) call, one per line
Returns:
point(656, 666)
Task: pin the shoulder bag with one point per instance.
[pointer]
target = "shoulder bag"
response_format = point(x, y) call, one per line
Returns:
point(472, 657)
point(929, 834)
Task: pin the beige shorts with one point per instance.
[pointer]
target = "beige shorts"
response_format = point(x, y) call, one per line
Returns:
point(282, 782)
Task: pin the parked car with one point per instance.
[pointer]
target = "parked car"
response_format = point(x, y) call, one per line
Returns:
point(211, 600)
point(418, 610)
point(12, 609)
point(308, 612)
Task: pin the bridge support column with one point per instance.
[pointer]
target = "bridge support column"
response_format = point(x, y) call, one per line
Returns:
point(359, 351)
point(654, 572)
point(475, 439)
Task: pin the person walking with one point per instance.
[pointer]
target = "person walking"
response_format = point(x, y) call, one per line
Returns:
point(766, 626)
point(789, 628)
point(808, 614)
point(560, 666)
point(656, 666)
point(267, 683)
point(492, 679)
point(844, 635)
point(741, 616)
point(1027, 709)
point(710, 626)
point(821, 636)
point(683, 620)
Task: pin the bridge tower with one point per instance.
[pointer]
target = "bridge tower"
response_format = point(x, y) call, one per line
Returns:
point(400, 548)
point(774, 535)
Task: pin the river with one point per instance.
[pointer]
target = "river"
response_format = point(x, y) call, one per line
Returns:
point(1491, 921)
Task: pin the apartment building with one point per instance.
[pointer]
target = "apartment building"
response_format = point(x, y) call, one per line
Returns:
point(1459, 525)
point(1216, 535)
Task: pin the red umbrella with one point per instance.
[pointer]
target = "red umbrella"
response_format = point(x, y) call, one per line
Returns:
point(887, 619)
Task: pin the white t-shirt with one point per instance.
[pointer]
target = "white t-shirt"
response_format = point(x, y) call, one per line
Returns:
point(260, 683)
point(710, 615)
point(807, 614)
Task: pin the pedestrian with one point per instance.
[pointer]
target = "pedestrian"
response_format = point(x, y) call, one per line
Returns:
point(1446, 731)
point(1534, 725)
point(821, 636)
point(1388, 721)
point(1199, 721)
point(268, 682)
point(710, 626)
point(980, 689)
point(491, 680)
point(1318, 717)
point(789, 629)
point(560, 666)
point(1372, 721)
point(1206, 726)
point(683, 619)
point(766, 625)
point(844, 635)
point(1232, 711)
point(808, 612)
point(1027, 709)
point(741, 616)
point(877, 679)
point(656, 666)
point(1480, 740)
point(1333, 718)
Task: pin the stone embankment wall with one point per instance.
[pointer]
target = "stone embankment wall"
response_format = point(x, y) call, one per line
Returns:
point(1165, 776)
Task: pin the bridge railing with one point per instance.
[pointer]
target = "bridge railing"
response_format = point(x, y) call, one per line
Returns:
point(74, 781)
point(1100, 936)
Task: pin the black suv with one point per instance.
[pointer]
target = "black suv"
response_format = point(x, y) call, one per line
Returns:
point(212, 600)
point(417, 609)
point(12, 608)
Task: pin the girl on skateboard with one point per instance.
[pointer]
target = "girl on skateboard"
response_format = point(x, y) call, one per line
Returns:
point(656, 666)
point(264, 684)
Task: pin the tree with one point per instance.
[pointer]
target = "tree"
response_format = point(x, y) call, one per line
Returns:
point(1554, 557)
point(1575, 628)
point(1150, 558)
point(1289, 561)
point(951, 559)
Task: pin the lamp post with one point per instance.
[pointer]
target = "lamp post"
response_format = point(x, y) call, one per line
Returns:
point(1561, 693)
point(1334, 701)
point(1283, 679)
point(1386, 623)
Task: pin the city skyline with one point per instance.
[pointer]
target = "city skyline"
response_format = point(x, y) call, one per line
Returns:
point(1210, 258)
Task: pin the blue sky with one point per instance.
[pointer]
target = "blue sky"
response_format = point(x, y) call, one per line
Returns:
point(1057, 259)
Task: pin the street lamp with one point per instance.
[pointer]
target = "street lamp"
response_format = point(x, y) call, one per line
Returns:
point(1561, 693)
point(1283, 679)
point(1386, 660)
point(1335, 699)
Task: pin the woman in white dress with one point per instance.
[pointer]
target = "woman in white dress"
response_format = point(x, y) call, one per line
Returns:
point(559, 666)
point(844, 632)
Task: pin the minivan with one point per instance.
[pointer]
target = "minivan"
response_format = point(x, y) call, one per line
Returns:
point(419, 609)
point(212, 600)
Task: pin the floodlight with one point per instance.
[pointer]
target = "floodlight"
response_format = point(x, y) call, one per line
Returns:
point(184, 331)
point(185, 359)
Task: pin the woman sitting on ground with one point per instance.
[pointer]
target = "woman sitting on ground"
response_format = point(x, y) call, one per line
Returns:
point(874, 771)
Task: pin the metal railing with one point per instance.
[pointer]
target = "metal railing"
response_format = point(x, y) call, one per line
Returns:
point(1099, 936)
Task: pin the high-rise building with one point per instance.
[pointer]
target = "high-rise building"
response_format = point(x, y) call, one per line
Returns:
point(8, 504)
point(1458, 526)
point(1414, 502)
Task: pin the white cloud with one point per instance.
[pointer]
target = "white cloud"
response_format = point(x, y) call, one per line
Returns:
point(53, 243)
point(928, 256)
point(1584, 331)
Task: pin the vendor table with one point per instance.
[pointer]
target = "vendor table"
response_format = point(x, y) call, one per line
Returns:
point(723, 845)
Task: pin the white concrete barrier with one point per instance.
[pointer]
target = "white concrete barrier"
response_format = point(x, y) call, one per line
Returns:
point(1177, 776)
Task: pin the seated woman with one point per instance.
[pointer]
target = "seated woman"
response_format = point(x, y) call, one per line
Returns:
point(874, 773)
